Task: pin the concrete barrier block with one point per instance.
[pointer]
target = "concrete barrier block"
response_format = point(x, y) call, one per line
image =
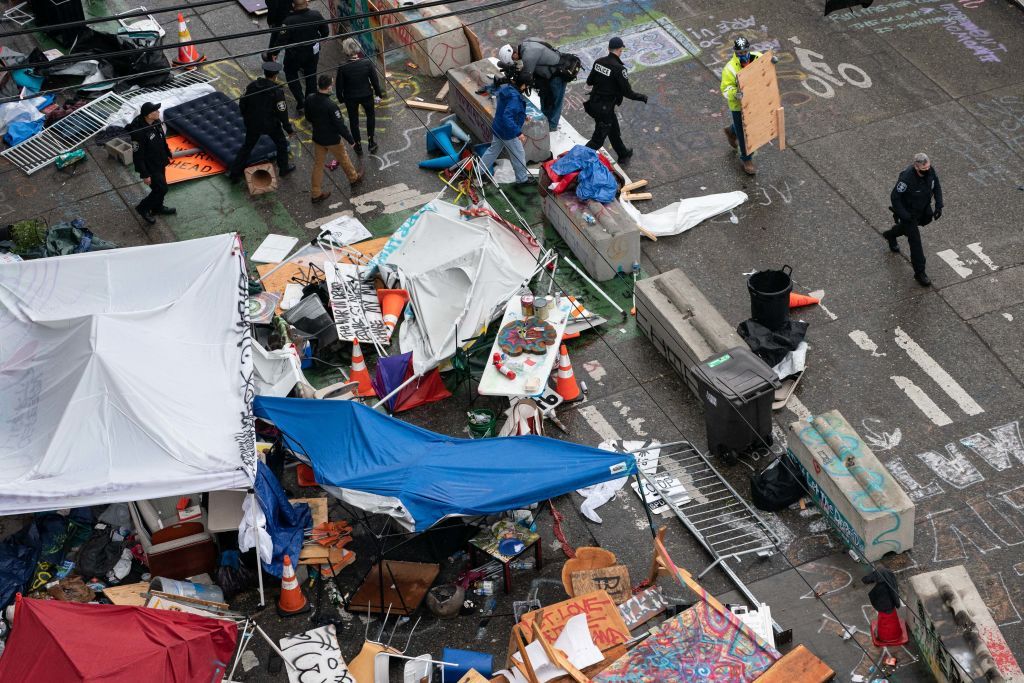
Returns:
point(609, 245)
point(120, 150)
point(955, 632)
point(872, 512)
point(681, 323)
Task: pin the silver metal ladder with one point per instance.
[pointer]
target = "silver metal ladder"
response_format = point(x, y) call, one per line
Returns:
point(713, 512)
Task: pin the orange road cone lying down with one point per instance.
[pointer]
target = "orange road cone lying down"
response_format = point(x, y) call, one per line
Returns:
point(187, 54)
point(392, 301)
point(360, 373)
point(292, 600)
point(566, 385)
point(798, 300)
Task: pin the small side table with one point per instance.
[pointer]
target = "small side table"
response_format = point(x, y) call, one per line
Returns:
point(488, 539)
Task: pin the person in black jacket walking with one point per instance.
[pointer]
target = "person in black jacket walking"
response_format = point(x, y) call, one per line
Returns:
point(610, 84)
point(911, 199)
point(264, 112)
point(328, 132)
point(150, 154)
point(300, 27)
point(358, 84)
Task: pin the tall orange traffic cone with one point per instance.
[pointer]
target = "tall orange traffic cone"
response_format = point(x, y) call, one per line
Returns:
point(566, 385)
point(392, 301)
point(292, 600)
point(798, 300)
point(187, 54)
point(359, 372)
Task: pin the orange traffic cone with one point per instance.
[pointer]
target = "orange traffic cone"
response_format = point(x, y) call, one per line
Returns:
point(566, 385)
point(392, 301)
point(292, 600)
point(359, 372)
point(187, 54)
point(798, 300)
point(889, 630)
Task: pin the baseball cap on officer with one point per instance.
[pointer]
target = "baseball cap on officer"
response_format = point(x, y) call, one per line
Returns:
point(150, 107)
point(505, 54)
point(271, 68)
point(616, 43)
point(741, 44)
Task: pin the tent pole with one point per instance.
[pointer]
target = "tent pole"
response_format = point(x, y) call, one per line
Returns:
point(401, 386)
point(259, 566)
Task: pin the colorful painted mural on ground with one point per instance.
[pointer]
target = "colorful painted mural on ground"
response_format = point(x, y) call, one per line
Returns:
point(699, 645)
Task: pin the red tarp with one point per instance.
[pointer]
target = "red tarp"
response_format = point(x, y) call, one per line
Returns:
point(71, 642)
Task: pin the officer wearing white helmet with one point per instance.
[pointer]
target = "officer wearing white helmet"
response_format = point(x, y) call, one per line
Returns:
point(540, 63)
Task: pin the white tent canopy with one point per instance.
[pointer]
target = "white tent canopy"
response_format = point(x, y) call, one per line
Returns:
point(457, 273)
point(124, 375)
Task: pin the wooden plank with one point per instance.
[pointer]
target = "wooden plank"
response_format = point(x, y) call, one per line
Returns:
point(643, 607)
point(635, 185)
point(647, 233)
point(761, 101)
point(472, 676)
point(475, 53)
point(441, 94)
point(131, 594)
point(632, 197)
point(780, 115)
point(799, 664)
point(429, 106)
point(614, 580)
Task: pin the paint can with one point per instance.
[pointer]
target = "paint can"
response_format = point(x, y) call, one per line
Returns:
point(526, 303)
point(544, 307)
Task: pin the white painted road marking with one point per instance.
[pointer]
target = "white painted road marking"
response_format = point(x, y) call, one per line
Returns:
point(600, 425)
point(952, 259)
point(976, 248)
point(861, 339)
point(937, 373)
point(925, 404)
point(820, 294)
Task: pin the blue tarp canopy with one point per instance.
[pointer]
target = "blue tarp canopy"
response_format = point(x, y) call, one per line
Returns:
point(432, 476)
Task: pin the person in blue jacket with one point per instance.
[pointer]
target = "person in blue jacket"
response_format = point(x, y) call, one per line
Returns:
point(507, 128)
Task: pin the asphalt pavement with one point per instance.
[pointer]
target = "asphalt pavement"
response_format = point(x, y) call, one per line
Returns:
point(930, 377)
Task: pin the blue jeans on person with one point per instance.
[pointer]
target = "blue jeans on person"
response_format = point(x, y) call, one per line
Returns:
point(551, 99)
point(516, 153)
point(737, 127)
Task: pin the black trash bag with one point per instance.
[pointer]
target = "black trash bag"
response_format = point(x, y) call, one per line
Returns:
point(99, 554)
point(776, 487)
point(17, 564)
point(233, 577)
point(769, 346)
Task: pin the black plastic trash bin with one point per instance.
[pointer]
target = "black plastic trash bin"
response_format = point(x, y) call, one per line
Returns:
point(769, 296)
point(737, 388)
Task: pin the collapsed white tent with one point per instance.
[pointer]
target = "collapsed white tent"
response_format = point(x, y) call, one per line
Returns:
point(125, 375)
point(458, 273)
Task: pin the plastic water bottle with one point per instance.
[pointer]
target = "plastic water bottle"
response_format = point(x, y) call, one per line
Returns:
point(590, 220)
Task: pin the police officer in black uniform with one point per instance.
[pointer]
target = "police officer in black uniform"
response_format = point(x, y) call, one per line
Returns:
point(277, 12)
point(150, 154)
point(912, 208)
point(610, 82)
point(265, 113)
point(300, 27)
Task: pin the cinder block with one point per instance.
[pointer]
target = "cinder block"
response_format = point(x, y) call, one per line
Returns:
point(120, 150)
point(261, 178)
point(872, 512)
point(609, 245)
point(681, 323)
point(950, 616)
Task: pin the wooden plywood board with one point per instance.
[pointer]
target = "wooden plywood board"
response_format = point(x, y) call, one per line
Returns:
point(761, 102)
point(614, 580)
point(317, 506)
point(643, 607)
point(799, 664)
point(405, 583)
point(132, 594)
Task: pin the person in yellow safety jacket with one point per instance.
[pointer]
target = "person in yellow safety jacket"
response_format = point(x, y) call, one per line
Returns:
point(742, 56)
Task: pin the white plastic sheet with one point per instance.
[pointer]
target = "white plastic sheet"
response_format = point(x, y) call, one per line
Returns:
point(680, 216)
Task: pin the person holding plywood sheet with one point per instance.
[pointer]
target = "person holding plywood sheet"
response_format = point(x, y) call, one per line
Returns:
point(731, 89)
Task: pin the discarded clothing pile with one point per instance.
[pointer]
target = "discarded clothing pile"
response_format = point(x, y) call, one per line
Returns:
point(592, 173)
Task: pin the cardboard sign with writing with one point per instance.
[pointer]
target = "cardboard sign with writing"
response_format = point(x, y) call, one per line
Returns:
point(603, 619)
point(614, 580)
point(354, 302)
point(198, 165)
point(643, 607)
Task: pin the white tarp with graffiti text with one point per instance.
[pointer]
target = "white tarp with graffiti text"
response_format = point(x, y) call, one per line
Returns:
point(125, 375)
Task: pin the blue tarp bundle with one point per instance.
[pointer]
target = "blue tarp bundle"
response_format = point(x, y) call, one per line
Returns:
point(285, 521)
point(354, 447)
point(595, 181)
